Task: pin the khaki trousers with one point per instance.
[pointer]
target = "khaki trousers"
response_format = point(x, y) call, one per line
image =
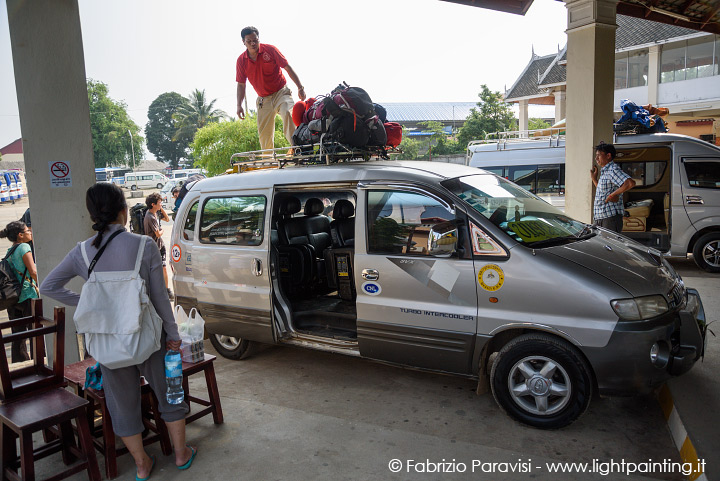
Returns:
point(280, 102)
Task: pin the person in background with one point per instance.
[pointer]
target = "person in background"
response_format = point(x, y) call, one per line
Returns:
point(608, 208)
point(260, 64)
point(154, 214)
point(174, 192)
point(26, 219)
point(108, 209)
point(21, 259)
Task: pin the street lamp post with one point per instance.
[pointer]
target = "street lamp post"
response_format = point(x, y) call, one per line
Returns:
point(132, 149)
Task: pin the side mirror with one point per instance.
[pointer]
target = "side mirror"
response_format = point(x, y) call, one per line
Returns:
point(442, 240)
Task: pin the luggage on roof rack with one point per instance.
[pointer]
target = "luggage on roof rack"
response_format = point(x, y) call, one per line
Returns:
point(315, 154)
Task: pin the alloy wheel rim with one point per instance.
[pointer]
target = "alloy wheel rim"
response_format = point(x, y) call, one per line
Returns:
point(711, 253)
point(539, 385)
point(228, 342)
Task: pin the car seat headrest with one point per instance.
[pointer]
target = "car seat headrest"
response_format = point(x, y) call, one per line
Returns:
point(343, 209)
point(290, 206)
point(314, 206)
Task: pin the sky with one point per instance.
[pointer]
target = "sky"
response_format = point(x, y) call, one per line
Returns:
point(397, 50)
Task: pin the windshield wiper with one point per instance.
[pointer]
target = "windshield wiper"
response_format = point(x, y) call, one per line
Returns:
point(554, 240)
point(587, 231)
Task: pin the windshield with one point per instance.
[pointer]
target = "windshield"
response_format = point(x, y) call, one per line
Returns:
point(168, 186)
point(522, 215)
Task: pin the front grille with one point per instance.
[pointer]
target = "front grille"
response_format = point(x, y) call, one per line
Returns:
point(676, 296)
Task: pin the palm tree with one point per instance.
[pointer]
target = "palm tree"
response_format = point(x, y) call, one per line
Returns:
point(195, 114)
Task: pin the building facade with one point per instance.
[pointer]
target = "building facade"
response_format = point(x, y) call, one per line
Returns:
point(659, 64)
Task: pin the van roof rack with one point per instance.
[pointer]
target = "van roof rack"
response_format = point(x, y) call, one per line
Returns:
point(512, 136)
point(311, 154)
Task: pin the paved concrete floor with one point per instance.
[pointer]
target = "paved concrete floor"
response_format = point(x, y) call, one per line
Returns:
point(298, 414)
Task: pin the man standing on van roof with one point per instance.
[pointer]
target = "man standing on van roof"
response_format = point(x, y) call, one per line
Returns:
point(608, 210)
point(261, 64)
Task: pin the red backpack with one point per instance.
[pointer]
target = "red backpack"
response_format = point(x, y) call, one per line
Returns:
point(394, 133)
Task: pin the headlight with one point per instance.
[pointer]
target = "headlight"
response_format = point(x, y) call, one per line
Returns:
point(639, 308)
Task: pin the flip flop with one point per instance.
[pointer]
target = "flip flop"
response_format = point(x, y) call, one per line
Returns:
point(190, 461)
point(138, 478)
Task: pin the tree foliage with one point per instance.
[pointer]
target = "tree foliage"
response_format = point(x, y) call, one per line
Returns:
point(439, 141)
point(196, 114)
point(537, 124)
point(111, 129)
point(162, 127)
point(215, 143)
point(491, 115)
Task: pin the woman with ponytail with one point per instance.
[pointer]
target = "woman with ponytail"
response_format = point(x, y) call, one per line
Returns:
point(108, 210)
point(21, 259)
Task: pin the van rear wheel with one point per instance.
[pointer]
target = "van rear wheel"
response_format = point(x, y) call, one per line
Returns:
point(541, 381)
point(706, 252)
point(232, 347)
point(133, 187)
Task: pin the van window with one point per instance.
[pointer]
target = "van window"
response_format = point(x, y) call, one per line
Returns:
point(703, 174)
point(189, 227)
point(233, 220)
point(399, 222)
point(644, 173)
point(130, 178)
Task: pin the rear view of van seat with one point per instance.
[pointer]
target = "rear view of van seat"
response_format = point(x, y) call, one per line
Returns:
point(637, 213)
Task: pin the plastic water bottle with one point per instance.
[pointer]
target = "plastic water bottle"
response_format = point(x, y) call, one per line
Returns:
point(174, 377)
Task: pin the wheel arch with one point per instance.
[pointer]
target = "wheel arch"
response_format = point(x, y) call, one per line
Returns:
point(506, 334)
point(699, 234)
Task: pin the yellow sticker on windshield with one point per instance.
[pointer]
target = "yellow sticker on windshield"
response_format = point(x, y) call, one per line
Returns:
point(491, 277)
point(535, 230)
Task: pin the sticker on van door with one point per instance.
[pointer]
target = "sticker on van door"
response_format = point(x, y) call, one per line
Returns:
point(176, 253)
point(371, 288)
point(491, 277)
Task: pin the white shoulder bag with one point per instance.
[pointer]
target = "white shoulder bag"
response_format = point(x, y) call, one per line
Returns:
point(120, 324)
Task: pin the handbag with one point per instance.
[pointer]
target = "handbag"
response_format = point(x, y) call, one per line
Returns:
point(120, 324)
point(10, 286)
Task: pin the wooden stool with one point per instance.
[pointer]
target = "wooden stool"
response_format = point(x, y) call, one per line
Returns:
point(34, 399)
point(21, 419)
point(212, 405)
point(75, 375)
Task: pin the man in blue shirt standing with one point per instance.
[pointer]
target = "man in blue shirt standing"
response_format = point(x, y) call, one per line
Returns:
point(608, 210)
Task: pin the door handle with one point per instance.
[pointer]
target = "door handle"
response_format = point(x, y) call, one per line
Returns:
point(694, 199)
point(370, 274)
point(257, 267)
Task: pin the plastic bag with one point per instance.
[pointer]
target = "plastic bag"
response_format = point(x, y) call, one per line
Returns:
point(192, 329)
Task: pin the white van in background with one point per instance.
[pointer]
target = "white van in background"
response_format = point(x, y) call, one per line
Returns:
point(145, 180)
point(183, 174)
point(675, 206)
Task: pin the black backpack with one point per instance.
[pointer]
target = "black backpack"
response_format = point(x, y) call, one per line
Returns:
point(137, 218)
point(10, 286)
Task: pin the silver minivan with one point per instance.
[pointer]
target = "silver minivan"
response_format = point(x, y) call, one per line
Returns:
point(440, 267)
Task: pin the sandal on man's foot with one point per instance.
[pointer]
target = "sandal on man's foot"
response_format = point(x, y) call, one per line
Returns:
point(138, 478)
point(190, 461)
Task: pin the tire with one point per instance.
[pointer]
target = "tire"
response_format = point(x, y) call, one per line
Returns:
point(706, 252)
point(520, 364)
point(159, 186)
point(133, 187)
point(232, 347)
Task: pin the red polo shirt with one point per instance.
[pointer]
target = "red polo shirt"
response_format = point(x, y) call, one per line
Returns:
point(263, 73)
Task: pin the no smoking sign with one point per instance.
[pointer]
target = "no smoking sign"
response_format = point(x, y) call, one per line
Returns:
point(60, 175)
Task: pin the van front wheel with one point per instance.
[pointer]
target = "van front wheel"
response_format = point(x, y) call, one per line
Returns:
point(232, 347)
point(541, 381)
point(133, 187)
point(706, 252)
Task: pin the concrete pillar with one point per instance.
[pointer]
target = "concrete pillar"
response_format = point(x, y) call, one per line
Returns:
point(523, 115)
point(654, 73)
point(560, 105)
point(590, 72)
point(49, 67)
